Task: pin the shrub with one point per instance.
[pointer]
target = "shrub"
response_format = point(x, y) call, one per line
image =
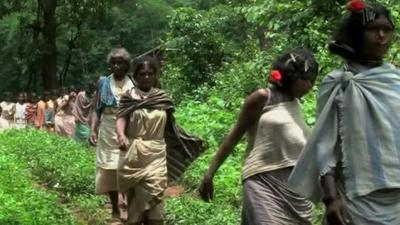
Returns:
point(23, 204)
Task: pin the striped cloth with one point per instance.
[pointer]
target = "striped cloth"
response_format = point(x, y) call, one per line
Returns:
point(30, 113)
point(367, 106)
point(381, 207)
point(182, 148)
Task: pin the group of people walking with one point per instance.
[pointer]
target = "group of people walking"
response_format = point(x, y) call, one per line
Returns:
point(64, 111)
point(139, 146)
point(350, 160)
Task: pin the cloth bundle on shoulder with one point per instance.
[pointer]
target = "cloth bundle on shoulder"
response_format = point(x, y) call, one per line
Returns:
point(182, 148)
point(361, 110)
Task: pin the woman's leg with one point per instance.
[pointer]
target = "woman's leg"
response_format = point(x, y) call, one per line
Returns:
point(114, 204)
point(134, 208)
point(155, 215)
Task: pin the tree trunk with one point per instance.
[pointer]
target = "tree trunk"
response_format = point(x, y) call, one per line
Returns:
point(49, 64)
point(32, 66)
point(71, 46)
point(63, 75)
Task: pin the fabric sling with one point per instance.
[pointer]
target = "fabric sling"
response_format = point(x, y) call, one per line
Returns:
point(182, 148)
point(367, 106)
point(82, 108)
point(82, 113)
point(106, 97)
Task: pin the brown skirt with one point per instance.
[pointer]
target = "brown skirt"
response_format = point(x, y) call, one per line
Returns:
point(267, 200)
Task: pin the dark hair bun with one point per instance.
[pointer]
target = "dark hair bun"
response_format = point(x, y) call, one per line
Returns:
point(295, 64)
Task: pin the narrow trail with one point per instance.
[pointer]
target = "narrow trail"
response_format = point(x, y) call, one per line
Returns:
point(170, 192)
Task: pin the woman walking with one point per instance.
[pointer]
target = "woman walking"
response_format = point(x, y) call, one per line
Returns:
point(352, 158)
point(277, 132)
point(83, 108)
point(103, 134)
point(153, 148)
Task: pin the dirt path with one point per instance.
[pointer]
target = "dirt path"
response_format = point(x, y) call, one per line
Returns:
point(174, 191)
point(170, 192)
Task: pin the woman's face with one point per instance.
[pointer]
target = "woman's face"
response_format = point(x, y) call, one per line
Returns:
point(301, 87)
point(34, 99)
point(377, 38)
point(21, 99)
point(7, 98)
point(118, 66)
point(145, 77)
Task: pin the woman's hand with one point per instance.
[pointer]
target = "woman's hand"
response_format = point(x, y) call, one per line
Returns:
point(93, 139)
point(123, 142)
point(206, 189)
point(248, 116)
point(336, 213)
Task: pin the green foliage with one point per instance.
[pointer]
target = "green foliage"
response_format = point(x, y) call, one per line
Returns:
point(86, 31)
point(199, 50)
point(20, 202)
point(218, 51)
point(211, 121)
point(59, 164)
point(181, 212)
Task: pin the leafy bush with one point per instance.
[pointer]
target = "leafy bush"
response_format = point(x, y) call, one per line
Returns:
point(189, 210)
point(58, 162)
point(23, 204)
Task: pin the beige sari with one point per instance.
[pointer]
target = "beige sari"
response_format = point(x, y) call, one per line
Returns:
point(142, 170)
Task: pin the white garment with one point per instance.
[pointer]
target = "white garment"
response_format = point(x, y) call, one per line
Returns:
point(20, 121)
point(276, 140)
point(119, 90)
point(107, 150)
point(4, 124)
point(7, 108)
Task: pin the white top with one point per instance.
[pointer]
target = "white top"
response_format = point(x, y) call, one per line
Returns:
point(7, 108)
point(4, 124)
point(277, 139)
point(20, 110)
point(120, 87)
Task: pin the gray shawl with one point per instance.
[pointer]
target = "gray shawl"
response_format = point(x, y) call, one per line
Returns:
point(358, 127)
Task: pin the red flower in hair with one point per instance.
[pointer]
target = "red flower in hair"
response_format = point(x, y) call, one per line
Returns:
point(276, 75)
point(357, 5)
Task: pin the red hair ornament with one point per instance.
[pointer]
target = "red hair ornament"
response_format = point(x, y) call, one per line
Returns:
point(357, 5)
point(276, 76)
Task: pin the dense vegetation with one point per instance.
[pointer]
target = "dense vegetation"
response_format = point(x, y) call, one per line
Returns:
point(20, 201)
point(217, 51)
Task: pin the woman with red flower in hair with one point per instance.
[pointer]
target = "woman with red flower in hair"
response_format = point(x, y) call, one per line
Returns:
point(276, 132)
point(352, 159)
